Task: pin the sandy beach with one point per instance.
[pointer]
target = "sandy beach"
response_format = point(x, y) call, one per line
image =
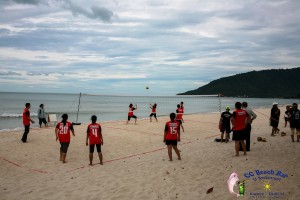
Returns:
point(136, 164)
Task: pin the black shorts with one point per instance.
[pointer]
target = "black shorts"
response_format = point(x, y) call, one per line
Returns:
point(42, 120)
point(295, 124)
point(171, 142)
point(225, 128)
point(92, 147)
point(179, 120)
point(153, 114)
point(239, 135)
point(274, 123)
point(64, 147)
point(131, 117)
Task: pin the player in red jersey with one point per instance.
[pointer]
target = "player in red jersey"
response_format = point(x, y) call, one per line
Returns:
point(182, 107)
point(179, 112)
point(94, 134)
point(239, 120)
point(62, 132)
point(130, 113)
point(172, 136)
point(153, 113)
point(26, 122)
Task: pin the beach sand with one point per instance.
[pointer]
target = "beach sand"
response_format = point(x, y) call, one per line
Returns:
point(136, 164)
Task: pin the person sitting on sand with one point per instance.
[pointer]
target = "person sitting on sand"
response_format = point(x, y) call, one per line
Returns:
point(238, 121)
point(224, 124)
point(179, 112)
point(130, 113)
point(62, 132)
point(94, 135)
point(294, 119)
point(172, 136)
point(153, 113)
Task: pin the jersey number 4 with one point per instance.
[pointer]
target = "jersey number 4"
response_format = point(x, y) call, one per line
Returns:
point(94, 132)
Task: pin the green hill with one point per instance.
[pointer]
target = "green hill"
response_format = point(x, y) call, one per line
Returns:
point(275, 83)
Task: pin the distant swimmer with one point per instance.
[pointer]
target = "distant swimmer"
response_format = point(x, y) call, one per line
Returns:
point(131, 114)
point(94, 137)
point(62, 132)
point(153, 113)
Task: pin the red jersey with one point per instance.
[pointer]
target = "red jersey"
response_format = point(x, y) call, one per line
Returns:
point(64, 131)
point(26, 115)
point(240, 117)
point(130, 112)
point(172, 129)
point(179, 112)
point(94, 132)
point(153, 110)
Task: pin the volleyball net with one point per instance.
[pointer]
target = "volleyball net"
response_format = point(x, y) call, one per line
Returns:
point(109, 107)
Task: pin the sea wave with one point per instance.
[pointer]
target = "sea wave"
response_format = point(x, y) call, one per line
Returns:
point(15, 115)
point(12, 129)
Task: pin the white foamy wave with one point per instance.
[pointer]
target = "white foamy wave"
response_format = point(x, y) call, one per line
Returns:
point(13, 115)
point(12, 130)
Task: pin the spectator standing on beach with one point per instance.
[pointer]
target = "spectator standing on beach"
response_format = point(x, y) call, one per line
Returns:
point(26, 122)
point(179, 112)
point(274, 119)
point(224, 124)
point(238, 121)
point(94, 136)
point(294, 119)
point(131, 114)
point(42, 115)
point(62, 132)
point(248, 125)
point(286, 115)
point(172, 136)
point(153, 113)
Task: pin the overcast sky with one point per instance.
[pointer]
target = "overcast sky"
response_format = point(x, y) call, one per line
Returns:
point(120, 47)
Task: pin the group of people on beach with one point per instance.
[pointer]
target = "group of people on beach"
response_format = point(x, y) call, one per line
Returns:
point(291, 116)
point(242, 118)
point(94, 136)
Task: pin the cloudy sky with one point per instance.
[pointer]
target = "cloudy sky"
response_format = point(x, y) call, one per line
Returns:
point(120, 47)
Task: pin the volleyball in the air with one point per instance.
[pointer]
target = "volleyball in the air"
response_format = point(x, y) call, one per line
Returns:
point(147, 87)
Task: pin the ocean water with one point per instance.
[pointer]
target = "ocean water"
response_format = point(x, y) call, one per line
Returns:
point(111, 108)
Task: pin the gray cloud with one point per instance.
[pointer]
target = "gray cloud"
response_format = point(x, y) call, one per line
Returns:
point(9, 73)
point(34, 2)
point(95, 12)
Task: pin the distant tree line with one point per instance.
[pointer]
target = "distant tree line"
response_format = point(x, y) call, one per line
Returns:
point(275, 83)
